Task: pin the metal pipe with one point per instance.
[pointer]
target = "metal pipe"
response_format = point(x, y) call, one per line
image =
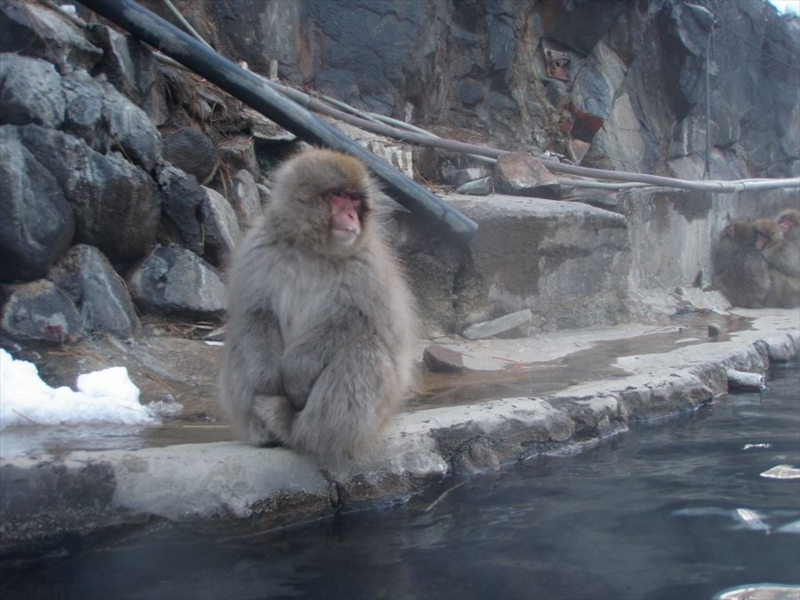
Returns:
point(253, 91)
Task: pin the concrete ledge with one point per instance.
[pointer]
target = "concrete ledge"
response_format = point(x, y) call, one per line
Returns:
point(48, 498)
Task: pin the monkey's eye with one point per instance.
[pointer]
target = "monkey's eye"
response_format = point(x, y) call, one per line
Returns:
point(356, 200)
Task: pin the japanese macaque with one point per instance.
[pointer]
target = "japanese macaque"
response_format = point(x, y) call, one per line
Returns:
point(784, 264)
point(321, 324)
point(783, 250)
point(789, 222)
point(740, 270)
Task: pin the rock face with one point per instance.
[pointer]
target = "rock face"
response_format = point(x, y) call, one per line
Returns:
point(113, 163)
point(615, 78)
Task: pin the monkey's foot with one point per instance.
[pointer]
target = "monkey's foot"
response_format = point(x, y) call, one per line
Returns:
point(272, 420)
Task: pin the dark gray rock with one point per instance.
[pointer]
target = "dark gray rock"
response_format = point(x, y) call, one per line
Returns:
point(183, 199)
point(130, 128)
point(580, 25)
point(100, 294)
point(478, 187)
point(84, 109)
point(175, 281)
point(220, 226)
point(36, 30)
point(30, 92)
point(115, 203)
point(193, 152)
point(39, 311)
point(37, 223)
point(107, 121)
point(132, 69)
point(470, 92)
point(439, 359)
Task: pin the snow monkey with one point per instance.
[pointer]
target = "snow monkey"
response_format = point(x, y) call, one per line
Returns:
point(783, 253)
point(740, 271)
point(784, 264)
point(319, 350)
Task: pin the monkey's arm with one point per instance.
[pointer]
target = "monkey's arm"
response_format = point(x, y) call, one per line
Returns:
point(784, 257)
point(251, 360)
point(303, 362)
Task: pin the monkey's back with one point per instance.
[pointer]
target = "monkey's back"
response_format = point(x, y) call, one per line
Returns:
point(741, 273)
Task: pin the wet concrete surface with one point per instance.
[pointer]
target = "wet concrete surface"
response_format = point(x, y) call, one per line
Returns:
point(168, 368)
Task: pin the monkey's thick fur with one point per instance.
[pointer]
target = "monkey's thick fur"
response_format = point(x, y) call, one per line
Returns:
point(320, 334)
point(753, 266)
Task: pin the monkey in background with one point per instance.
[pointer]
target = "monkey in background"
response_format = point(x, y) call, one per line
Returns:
point(783, 253)
point(784, 264)
point(740, 270)
point(788, 220)
point(321, 323)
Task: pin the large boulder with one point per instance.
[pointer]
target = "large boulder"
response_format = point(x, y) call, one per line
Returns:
point(116, 204)
point(39, 311)
point(175, 281)
point(99, 293)
point(565, 261)
point(30, 92)
point(37, 224)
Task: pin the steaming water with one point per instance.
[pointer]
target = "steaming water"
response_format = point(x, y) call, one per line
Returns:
point(678, 510)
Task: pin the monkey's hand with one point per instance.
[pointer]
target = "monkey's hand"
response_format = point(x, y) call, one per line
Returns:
point(300, 368)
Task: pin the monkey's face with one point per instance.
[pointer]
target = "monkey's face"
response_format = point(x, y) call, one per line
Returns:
point(767, 233)
point(346, 209)
point(787, 222)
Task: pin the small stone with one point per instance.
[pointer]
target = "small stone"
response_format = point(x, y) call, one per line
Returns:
point(439, 359)
point(713, 331)
point(495, 327)
point(521, 174)
point(478, 187)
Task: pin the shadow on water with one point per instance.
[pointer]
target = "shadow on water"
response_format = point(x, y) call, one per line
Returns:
point(680, 511)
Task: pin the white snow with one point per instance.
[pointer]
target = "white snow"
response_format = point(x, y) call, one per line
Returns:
point(107, 396)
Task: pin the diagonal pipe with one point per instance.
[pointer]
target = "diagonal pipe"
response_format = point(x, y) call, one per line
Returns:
point(253, 91)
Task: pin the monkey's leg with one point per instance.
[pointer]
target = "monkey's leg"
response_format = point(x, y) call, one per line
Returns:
point(250, 389)
point(349, 402)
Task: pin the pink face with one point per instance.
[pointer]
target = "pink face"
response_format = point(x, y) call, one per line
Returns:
point(786, 224)
point(345, 215)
